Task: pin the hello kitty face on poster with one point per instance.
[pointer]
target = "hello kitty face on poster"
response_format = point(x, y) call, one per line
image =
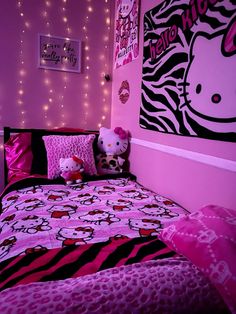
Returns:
point(219, 273)
point(6, 245)
point(104, 190)
point(9, 201)
point(126, 7)
point(31, 225)
point(85, 199)
point(30, 204)
point(135, 194)
point(145, 227)
point(120, 205)
point(61, 211)
point(112, 142)
point(118, 182)
point(75, 236)
point(158, 211)
point(99, 217)
point(31, 190)
point(209, 94)
point(57, 195)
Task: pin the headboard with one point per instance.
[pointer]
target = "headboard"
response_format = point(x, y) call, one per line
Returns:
point(37, 141)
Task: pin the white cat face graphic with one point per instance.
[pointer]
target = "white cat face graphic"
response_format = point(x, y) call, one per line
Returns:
point(32, 190)
point(75, 233)
point(144, 223)
point(95, 215)
point(126, 7)
point(7, 202)
point(135, 194)
point(31, 224)
point(209, 89)
point(120, 205)
point(118, 182)
point(104, 190)
point(85, 199)
point(30, 204)
point(155, 210)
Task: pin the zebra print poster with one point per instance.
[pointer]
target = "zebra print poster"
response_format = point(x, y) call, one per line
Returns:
point(189, 69)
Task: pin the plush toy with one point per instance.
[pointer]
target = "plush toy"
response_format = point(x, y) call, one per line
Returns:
point(71, 169)
point(111, 144)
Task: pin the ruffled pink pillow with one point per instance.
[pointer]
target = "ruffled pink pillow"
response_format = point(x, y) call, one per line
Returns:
point(208, 239)
point(60, 146)
point(18, 156)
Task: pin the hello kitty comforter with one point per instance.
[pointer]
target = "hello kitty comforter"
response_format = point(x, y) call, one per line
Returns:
point(68, 235)
point(52, 216)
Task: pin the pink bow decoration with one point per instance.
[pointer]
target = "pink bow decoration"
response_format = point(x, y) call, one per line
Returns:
point(122, 133)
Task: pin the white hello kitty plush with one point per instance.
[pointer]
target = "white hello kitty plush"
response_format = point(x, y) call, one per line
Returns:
point(111, 143)
point(71, 169)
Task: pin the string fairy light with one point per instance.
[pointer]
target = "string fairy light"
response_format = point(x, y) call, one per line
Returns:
point(48, 102)
point(104, 58)
point(86, 85)
point(21, 70)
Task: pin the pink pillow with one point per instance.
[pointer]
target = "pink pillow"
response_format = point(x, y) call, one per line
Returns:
point(59, 146)
point(208, 238)
point(18, 156)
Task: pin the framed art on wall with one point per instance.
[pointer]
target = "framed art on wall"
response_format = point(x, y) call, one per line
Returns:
point(58, 53)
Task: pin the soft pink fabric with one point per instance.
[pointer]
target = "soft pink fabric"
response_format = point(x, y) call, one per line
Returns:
point(60, 146)
point(208, 238)
point(168, 286)
point(18, 155)
point(47, 215)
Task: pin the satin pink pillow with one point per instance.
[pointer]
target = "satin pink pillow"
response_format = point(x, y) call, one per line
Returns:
point(208, 239)
point(60, 146)
point(18, 156)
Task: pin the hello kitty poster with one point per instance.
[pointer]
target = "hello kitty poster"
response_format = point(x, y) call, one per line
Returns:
point(126, 31)
point(189, 69)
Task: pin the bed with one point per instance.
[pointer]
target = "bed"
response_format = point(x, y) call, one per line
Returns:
point(108, 244)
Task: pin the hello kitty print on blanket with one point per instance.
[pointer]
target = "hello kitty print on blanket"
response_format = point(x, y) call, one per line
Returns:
point(54, 216)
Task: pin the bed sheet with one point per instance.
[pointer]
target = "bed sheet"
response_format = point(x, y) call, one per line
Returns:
point(101, 233)
point(52, 216)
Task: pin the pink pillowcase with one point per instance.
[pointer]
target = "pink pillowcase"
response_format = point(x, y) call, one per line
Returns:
point(59, 146)
point(208, 239)
point(18, 156)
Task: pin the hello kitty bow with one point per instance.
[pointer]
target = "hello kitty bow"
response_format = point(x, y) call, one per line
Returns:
point(122, 133)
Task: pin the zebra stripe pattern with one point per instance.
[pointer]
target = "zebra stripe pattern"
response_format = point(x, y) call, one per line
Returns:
point(75, 261)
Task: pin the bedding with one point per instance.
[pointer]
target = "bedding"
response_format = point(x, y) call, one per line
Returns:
point(99, 246)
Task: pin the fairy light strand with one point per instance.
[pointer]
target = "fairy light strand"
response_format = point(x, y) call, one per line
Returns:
point(21, 69)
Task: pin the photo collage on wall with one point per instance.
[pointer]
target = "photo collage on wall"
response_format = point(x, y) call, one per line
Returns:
point(189, 69)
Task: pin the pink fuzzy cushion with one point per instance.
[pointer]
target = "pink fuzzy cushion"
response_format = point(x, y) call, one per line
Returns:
point(59, 146)
point(208, 239)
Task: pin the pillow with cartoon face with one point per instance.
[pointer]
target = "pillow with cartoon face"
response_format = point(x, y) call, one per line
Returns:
point(66, 146)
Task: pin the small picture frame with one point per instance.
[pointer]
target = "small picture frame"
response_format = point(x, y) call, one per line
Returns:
point(59, 53)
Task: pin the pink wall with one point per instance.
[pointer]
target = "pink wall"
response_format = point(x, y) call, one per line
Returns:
point(33, 97)
point(188, 182)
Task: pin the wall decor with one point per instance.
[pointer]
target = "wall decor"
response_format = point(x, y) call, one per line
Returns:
point(124, 92)
point(58, 53)
point(126, 31)
point(189, 69)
